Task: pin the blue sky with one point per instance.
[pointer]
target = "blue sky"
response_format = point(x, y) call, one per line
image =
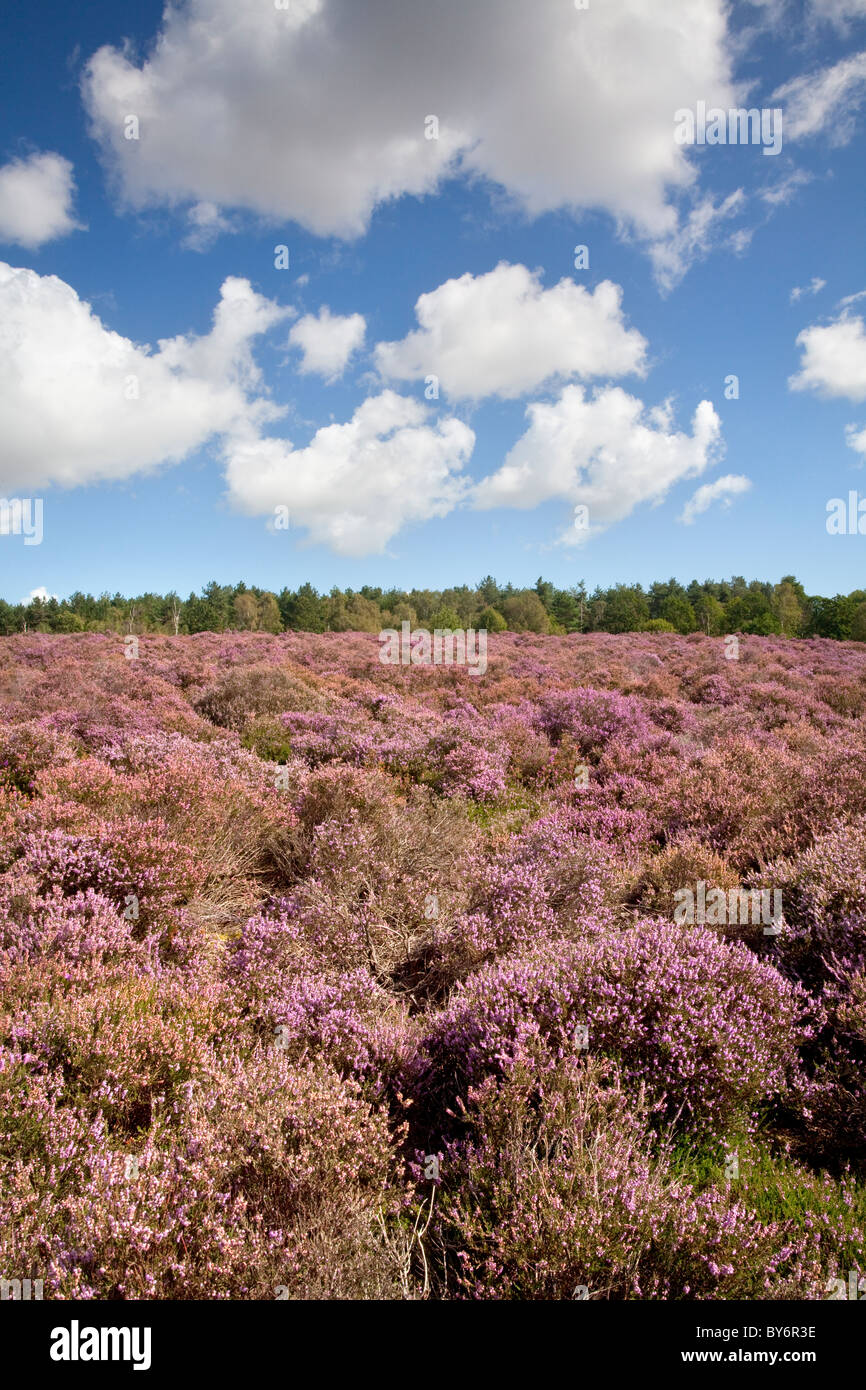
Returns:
point(559, 387)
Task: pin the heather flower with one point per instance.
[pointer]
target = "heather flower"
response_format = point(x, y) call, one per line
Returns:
point(706, 1028)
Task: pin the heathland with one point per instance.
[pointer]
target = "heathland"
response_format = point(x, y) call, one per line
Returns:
point(323, 978)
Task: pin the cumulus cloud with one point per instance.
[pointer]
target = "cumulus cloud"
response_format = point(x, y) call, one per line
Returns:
point(355, 485)
point(80, 403)
point(722, 490)
point(824, 101)
point(834, 359)
point(608, 453)
point(305, 113)
point(41, 594)
point(814, 287)
point(502, 334)
point(327, 341)
point(36, 196)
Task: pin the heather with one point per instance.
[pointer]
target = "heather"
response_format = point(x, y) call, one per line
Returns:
point(323, 978)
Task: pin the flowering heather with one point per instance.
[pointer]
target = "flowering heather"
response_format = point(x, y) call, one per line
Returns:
point(352, 980)
point(705, 1029)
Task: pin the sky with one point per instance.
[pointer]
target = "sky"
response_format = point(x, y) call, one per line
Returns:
point(294, 290)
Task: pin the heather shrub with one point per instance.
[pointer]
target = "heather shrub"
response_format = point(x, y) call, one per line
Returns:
point(254, 691)
point(824, 893)
point(680, 865)
point(560, 1184)
point(228, 986)
point(279, 1177)
point(835, 1106)
point(267, 949)
point(314, 1164)
point(478, 773)
point(330, 791)
point(629, 830)
point(592, 718)
point(161, 886)
point(137, 867)
point(268, 738)
point(706, 1028)
point(27, 748)
point(846, 697)
point(778, 1189)
point(124, 1047)
point(83, 929)
point(712, 690)
point(345, 1018)
point(545, 883)
point(529, 750)
point(358, 907)
point(824, 947)
point(370, 867)
point(746, 799)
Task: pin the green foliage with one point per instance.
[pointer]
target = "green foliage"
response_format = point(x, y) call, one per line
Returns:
point(567, 608)
point(525, 612)
point(714, 607)
point(677, 611)
point(446, 619)
point(776, 1188)
point(858, 623)
point(491, 620)
point(625, 609)
point(268, 738)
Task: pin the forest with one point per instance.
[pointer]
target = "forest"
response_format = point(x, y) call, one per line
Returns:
point(715, 608)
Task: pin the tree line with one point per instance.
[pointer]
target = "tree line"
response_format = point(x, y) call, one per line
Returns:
point(713, 607)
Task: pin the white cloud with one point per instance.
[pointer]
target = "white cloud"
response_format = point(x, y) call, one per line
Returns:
point(36, 196)
point(608, 453)
point(502, 334)
point(80, 403)
point(838, 12)
point(723, 489)
point(673, 255)
point(814, 287)
point(834, 359)
point(328, 341)
point(785, 187)
point(855, 438)
point(206, 224)
point(316, 114)
point(68, 416)
point(824, 101)
point(356, 484)
point(41, 593)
